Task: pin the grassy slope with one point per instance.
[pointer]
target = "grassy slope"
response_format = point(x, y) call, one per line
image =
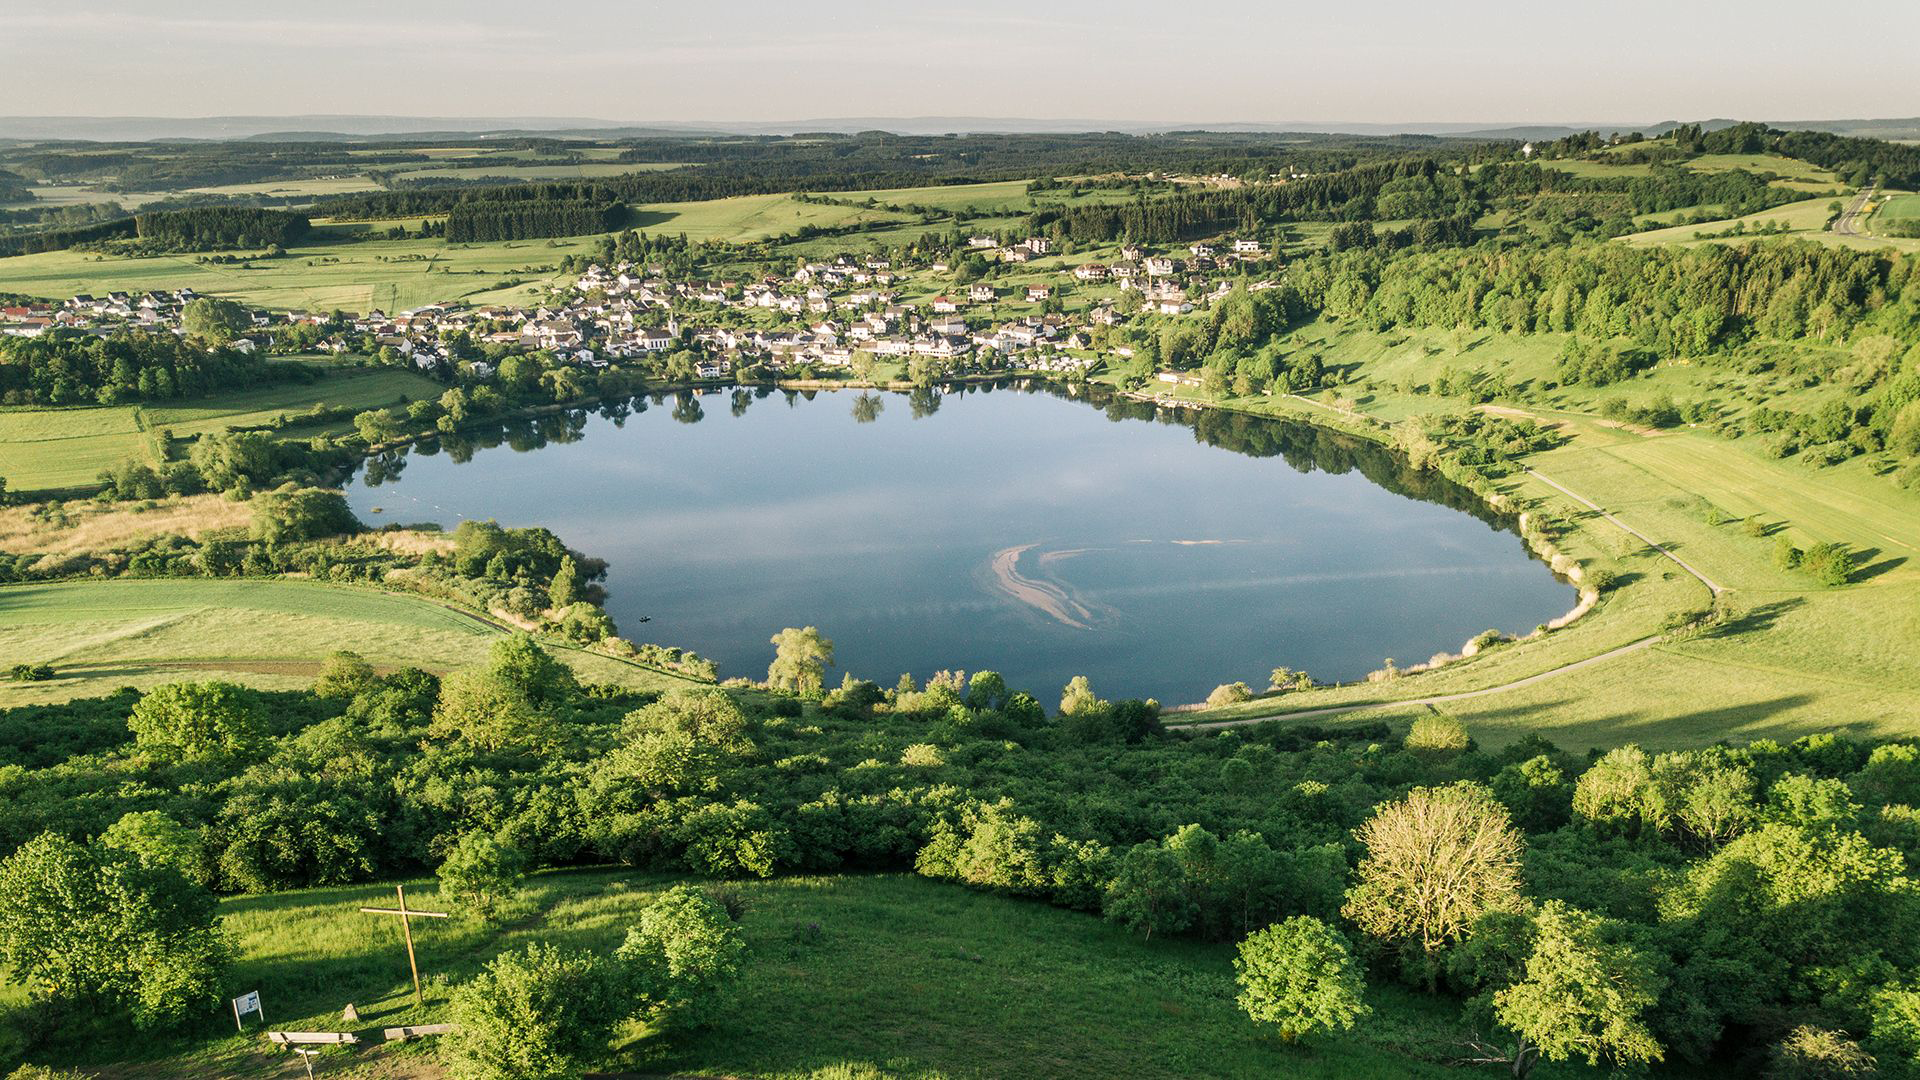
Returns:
point(1805, 220)
point(42, 449)
point(108, 634)
point(1801, 658)
point(908, 978)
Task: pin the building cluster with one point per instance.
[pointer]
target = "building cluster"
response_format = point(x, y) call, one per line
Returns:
point(822, 315)
point(102, 314)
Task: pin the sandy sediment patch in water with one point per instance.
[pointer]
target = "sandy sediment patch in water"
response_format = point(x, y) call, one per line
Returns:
point(1045, 597)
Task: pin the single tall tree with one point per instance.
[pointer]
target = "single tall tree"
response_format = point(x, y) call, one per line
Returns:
point(800, 659)
point(1435, 861)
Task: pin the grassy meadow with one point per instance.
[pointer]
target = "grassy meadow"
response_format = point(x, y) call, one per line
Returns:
point(273, 633)
point(1796, 658)
point(44, 449)
point(1904, 207)
point(903, 977)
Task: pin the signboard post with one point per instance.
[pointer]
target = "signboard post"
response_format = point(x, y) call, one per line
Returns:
point(248, 1002)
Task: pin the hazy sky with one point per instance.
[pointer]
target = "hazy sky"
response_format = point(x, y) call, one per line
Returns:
point(1224, 60)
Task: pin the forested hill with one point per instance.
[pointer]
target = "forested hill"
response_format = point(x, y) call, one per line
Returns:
point(1720, 891)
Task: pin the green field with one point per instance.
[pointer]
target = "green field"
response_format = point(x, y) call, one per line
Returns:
point(749, 217)
point(1790, 173)
point(906, 978)
point(340, 267)
point(59, 448)
point(1784, 167)
point(271, 633)
point(337, 268)
point(1804, 220)
point(1898, 208)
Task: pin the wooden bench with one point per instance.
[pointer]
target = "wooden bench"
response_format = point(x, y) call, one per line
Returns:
point(306, 1038)
point(402, 1034)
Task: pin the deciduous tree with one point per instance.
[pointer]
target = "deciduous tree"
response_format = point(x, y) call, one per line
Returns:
point(1299, 976)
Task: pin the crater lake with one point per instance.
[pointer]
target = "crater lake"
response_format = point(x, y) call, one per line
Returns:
point(1020, 529)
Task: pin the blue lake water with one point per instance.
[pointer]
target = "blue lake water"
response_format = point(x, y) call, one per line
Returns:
point(1014, 529)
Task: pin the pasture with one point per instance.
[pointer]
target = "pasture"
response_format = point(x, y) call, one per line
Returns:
point(64, 448)
point(567, 171)
point(900, 977)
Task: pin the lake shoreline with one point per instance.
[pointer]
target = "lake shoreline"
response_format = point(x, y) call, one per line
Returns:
point(1307, 445)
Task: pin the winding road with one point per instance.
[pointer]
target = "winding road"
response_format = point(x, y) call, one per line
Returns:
point(1848, 223)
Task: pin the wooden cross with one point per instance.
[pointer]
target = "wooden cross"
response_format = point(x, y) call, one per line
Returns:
point(407, 915)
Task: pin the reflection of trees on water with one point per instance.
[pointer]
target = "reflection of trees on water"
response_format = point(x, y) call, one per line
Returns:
point(384, 468)
point(1303, 447)
point(687, 409)
point(923, 401)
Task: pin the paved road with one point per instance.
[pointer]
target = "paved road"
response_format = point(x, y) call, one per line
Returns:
point(1848, 223)
point(1438, 699)
point(1712, 586)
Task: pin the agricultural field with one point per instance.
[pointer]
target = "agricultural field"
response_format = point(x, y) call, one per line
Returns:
point(749, 217)
point(1785, 168)
point(902, 977)
point(1790, 172)
point(584, 170)
point(1896, 207)
point(61, 448)
point(1003, 197)
point(339, 267)
point(268, 633)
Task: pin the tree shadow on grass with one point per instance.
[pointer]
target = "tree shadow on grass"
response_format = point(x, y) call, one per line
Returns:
point(1874, 570)
point(1762, 617)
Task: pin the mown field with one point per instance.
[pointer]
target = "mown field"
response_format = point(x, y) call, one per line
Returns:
point(904, 978)
point(270, 633)
point(752, 217)
point(62, 448)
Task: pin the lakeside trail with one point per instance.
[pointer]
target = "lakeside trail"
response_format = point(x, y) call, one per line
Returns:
point(1437, 699)
point(1046, 598)
point(1711, 585)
